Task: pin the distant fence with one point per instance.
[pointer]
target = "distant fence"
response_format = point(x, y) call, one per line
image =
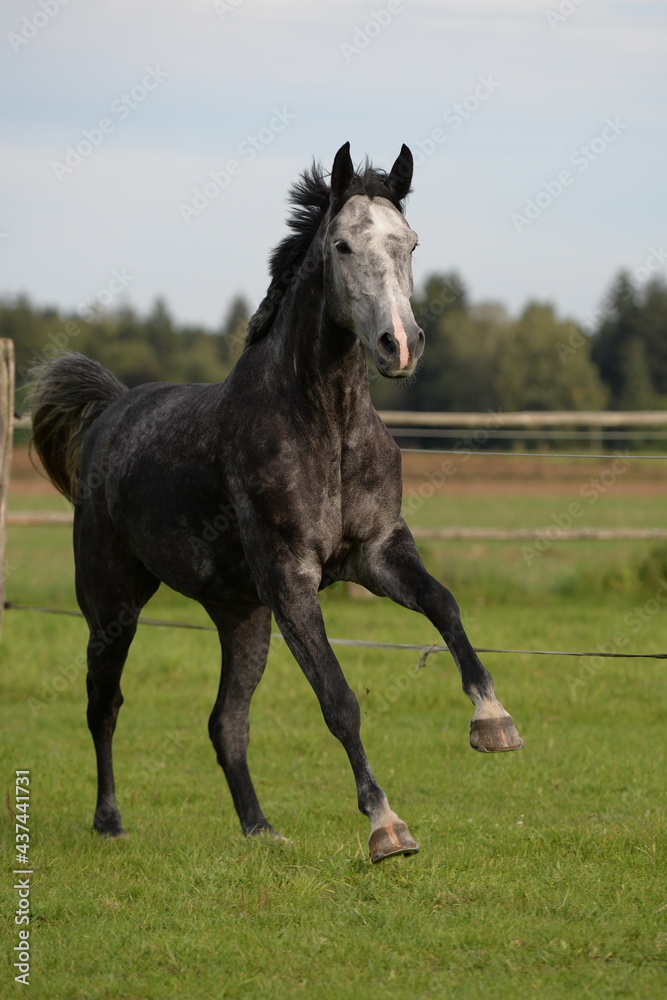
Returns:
point(477, 430)
point(528, 419)
point(491, 420)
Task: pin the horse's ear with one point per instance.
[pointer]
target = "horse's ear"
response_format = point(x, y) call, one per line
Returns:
point(400, 175)
point(342, 172)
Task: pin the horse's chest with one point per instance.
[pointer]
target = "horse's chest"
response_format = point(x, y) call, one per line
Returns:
point(370, 497)
point(323, 499)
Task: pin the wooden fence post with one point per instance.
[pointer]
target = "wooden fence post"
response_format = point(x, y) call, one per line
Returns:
point(6, 440)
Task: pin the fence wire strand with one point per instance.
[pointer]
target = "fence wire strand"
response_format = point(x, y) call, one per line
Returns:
point(425, 650)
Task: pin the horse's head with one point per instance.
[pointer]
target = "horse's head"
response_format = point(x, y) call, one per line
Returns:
point(368, 265)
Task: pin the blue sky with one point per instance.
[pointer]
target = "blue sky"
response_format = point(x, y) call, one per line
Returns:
point(539, 129)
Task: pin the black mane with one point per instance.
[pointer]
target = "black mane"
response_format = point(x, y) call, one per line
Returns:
point(310, 197)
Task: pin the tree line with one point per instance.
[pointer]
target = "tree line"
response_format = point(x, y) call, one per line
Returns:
point(477, 357)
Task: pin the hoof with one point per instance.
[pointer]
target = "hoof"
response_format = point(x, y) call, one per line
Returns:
point(111, 830)
point(106, 819)
point(494, 735)
point(389, 840)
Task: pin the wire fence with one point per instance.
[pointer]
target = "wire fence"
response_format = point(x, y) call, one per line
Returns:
point(425, 650)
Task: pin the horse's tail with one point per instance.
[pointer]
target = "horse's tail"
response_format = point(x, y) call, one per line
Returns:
point(67, 396)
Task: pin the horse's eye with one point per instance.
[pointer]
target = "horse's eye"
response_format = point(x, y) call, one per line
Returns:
point(342, 247)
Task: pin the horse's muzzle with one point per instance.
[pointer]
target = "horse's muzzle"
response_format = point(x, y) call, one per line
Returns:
point(396, 351)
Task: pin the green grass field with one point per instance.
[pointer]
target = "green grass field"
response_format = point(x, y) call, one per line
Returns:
point(541, 874)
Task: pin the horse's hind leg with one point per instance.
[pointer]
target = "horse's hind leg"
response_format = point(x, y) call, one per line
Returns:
point(111, 594)
point(245, 635)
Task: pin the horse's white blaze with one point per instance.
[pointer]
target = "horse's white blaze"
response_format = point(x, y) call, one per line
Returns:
point(401, 336)
point(388, 222)
point(386, 219)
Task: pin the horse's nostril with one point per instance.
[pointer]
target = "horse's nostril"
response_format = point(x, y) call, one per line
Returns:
point(387, 344)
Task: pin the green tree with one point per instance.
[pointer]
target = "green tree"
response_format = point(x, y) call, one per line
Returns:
point(466, 359)
point(159, 331)
point(630, 344)
point(652, 328)
point(637, 386)
point(233, 330)
point(534, 373)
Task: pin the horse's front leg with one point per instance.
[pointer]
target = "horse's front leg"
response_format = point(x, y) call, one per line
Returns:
point(292, 594)
point(394, 569)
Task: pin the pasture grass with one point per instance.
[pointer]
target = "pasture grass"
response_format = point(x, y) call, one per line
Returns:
point(541, 875)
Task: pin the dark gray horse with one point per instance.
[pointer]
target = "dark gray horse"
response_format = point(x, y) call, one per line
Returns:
point(291, 462)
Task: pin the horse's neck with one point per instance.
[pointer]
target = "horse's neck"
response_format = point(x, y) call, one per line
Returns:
point(318, 365)
point(324, 366)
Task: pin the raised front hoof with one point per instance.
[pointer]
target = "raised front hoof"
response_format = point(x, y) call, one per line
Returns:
point(389, 840)
point(494, 735)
